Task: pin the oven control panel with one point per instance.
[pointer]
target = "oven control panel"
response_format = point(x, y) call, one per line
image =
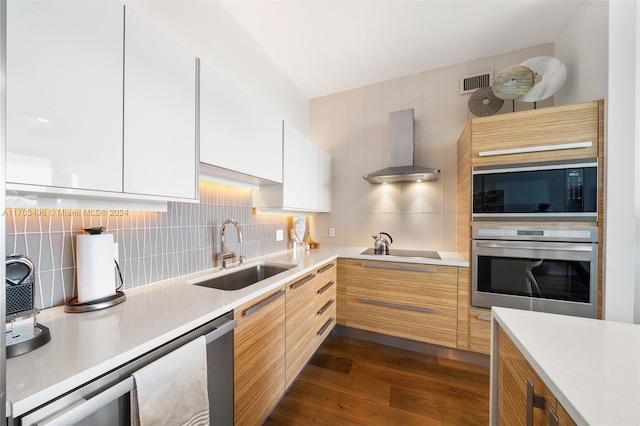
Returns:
point(583, 234)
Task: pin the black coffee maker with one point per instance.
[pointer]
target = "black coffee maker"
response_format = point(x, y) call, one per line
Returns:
point(23, 333)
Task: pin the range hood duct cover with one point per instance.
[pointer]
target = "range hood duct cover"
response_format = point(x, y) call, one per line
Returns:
point(401, 168)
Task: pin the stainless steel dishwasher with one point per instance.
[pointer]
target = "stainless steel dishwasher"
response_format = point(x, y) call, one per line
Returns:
point(106, 400)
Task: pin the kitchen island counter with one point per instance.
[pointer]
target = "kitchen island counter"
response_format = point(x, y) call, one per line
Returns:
point(591, 366)
point(86, 345)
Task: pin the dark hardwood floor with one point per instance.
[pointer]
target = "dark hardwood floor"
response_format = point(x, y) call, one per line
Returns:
point(356, 382)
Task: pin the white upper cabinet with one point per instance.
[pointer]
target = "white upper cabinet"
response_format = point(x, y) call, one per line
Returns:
point(237, 132)
point(293, 183)
point(64, 94)
point(310, 175)
point(160, 89)
point(324, 181)
point(306, 184)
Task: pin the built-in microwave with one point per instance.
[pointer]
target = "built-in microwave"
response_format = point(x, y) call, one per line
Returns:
point(558, 191)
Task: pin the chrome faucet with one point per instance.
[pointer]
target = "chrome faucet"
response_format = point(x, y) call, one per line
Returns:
point(231, 255)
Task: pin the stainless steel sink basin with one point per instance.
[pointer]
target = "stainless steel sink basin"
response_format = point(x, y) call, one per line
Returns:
point(244, 277)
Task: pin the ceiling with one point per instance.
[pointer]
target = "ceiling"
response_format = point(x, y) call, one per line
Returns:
point(330, 46)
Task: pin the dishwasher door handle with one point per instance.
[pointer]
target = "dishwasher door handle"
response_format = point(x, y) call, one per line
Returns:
point(85, 409)
point(223, 329)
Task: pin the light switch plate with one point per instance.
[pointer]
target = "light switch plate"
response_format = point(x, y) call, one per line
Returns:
point(332, 232)
point(279, 235)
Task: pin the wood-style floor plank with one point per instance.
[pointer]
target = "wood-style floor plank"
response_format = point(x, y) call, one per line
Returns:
point(356, 382)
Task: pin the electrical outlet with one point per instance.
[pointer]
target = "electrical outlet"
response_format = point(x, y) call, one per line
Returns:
point(279, 235)
point(332, 232)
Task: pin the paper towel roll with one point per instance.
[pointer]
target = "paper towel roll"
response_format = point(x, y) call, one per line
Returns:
point(96, 278)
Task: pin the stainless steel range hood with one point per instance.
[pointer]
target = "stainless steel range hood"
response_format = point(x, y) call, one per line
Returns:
point(401, 168)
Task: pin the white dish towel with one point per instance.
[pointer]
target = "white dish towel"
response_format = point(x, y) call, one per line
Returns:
point(172, 390)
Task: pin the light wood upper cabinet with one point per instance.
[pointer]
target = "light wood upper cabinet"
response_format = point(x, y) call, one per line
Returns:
point(259, 357)
point(412, 301)
point(557, 133)
point(64, 94)
point(160, 146)
point(237, 132)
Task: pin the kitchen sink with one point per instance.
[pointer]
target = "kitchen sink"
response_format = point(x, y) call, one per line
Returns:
point(241, 278)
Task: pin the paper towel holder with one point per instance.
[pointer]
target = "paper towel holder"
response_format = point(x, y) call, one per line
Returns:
point(74, 306)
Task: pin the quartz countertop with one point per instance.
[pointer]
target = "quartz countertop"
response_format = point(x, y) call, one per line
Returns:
point(592, 366)
point(85, 345)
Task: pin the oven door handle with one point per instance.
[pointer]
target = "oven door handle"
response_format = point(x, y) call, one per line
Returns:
point(576, 248)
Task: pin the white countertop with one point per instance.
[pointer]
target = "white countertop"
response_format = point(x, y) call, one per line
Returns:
point(592, 366)
point(86, 345)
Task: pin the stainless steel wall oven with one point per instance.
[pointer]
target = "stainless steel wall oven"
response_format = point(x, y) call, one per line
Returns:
point(540, 268)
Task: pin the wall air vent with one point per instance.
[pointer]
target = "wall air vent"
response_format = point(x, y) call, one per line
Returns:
point(470, 83)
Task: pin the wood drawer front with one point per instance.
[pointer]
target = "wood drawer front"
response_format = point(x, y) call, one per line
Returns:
point(480, 331)
point(438, 328)
point(536, 128)
point(341, 291)
point(436, 287)
point(259, 358)
point(325, 304)
point(513, 372)
point(328, 271)
point(300, 315)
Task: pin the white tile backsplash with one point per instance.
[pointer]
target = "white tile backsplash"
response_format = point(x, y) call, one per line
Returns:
point(417, 215)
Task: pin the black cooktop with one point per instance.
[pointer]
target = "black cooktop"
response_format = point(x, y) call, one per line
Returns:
point(405, 253)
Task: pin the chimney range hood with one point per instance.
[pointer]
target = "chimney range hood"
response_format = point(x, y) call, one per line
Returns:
point(401, 168)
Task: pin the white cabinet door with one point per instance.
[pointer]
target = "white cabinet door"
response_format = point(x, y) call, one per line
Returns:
point(293, 184)
point(237, 132)
point(160, 146)
point(324, 181)
point(310, 175)
point(64, 94)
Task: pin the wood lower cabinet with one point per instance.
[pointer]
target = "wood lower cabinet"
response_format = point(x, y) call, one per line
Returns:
point(300, 324)
point(341, 292)
point(413, 301)
point(480, 330)
point(325, 301)
point(276, 336)
point(259, 358)
point(522, 397)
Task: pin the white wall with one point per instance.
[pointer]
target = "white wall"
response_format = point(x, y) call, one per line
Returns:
point(583, 47)
point(352, 127)
point(209, 31)
point(623, 185)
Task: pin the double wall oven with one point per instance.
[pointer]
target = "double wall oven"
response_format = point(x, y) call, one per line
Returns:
point(532, 247)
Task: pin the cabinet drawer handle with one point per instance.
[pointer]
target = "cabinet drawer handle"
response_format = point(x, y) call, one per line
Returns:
point(398, 267)
point(542, 148)
point(255, 308)
point(325, 307)
point(484, 317)
point(326, 287)
point(533, 401)
point(399, 306)
point(325, 326)
point(326, 268)
point(553, 419)
point(302, 281)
